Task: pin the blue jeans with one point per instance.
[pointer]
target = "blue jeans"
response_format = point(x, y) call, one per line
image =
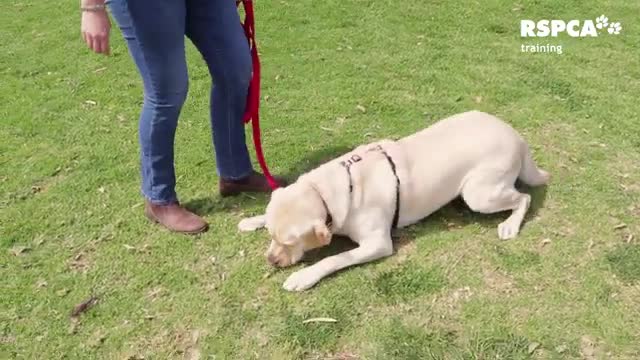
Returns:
point(155, 33)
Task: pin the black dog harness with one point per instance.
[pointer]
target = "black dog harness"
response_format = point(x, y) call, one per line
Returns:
point(356, 158)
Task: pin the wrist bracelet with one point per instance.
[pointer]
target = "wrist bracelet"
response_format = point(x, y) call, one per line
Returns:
point(93, 8)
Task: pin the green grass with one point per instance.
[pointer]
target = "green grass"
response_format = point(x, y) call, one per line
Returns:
point(71, 221)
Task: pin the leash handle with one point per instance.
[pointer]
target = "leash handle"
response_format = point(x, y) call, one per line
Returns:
point(252, 111)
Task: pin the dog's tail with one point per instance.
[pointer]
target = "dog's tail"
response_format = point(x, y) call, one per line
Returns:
point(530, 174)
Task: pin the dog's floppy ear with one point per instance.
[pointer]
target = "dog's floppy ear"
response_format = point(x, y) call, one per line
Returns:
point(323, 234)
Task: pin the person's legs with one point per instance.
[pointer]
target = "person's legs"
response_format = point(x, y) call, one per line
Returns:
point(154, 32)
point(214, 28)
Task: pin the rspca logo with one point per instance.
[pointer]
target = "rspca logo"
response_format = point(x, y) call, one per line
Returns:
point(573, 28)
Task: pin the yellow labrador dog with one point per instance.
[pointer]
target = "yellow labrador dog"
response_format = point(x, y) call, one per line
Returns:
point(376, 187)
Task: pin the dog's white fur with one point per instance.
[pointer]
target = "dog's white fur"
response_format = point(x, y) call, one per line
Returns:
point(472, 154)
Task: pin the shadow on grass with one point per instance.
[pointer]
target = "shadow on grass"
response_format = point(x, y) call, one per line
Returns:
point(215, 204)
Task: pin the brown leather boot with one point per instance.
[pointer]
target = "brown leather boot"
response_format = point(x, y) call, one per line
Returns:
point(256, 182)
point(175, 218)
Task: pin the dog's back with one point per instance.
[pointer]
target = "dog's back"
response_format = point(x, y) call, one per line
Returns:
point(439, 158)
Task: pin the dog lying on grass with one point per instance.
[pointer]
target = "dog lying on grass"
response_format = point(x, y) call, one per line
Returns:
point(376, 187)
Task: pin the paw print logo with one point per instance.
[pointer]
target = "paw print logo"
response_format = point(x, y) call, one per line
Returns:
point(614, 28)
point(602, 22)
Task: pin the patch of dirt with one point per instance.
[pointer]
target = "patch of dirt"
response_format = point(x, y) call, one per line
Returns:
point(450, 302)
point(589, 348)
point(498, 282)
point(404, 246)
point(79, 262)
point(178, 343)
point(340, 355)
point(6, 340)
point(628, 295)
point(259, 335)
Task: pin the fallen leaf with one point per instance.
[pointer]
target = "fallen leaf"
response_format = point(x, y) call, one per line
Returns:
point(101, 189)
point(98, 338)
point(321, 319)
point(620, 226)
point(73, 326)
point(62, 292)
point(39, 240)
point(345, 356)
point(35, 189)
point(192, 354)
point(129, 247)
point(546, 242)
point(213, 260)
point(41, 284)
point(84, 306)
point(241, 253)
point(629, 239)
point(361, 108)
point(19, 250)
point(533, 347)
point(91, 102)
point(587, 347)
point(561, 348)
point(135, 357)
point(195, 336)
point(154, 293)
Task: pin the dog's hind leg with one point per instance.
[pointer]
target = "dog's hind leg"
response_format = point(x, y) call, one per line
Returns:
point(492, 192)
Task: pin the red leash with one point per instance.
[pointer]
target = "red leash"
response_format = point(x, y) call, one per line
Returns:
point(253, 96)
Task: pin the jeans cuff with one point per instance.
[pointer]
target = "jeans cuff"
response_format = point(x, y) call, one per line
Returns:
point(235, 178)
point(154, 201)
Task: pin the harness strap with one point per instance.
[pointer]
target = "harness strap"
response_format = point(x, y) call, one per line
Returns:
point(253, 94)
point(396, 214)
point(355, 158)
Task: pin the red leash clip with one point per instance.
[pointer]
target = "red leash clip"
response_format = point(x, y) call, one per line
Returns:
point(253, 95)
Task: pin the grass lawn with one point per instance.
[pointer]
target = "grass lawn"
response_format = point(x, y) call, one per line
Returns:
point(337, 73)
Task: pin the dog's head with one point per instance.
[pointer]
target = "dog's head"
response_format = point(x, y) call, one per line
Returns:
point(296, 221)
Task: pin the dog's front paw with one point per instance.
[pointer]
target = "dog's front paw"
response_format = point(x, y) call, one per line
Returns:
point(252, 223)
point(508, 229)
point(301, 280)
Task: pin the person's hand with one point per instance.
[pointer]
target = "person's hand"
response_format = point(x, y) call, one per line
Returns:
point(95, 29)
